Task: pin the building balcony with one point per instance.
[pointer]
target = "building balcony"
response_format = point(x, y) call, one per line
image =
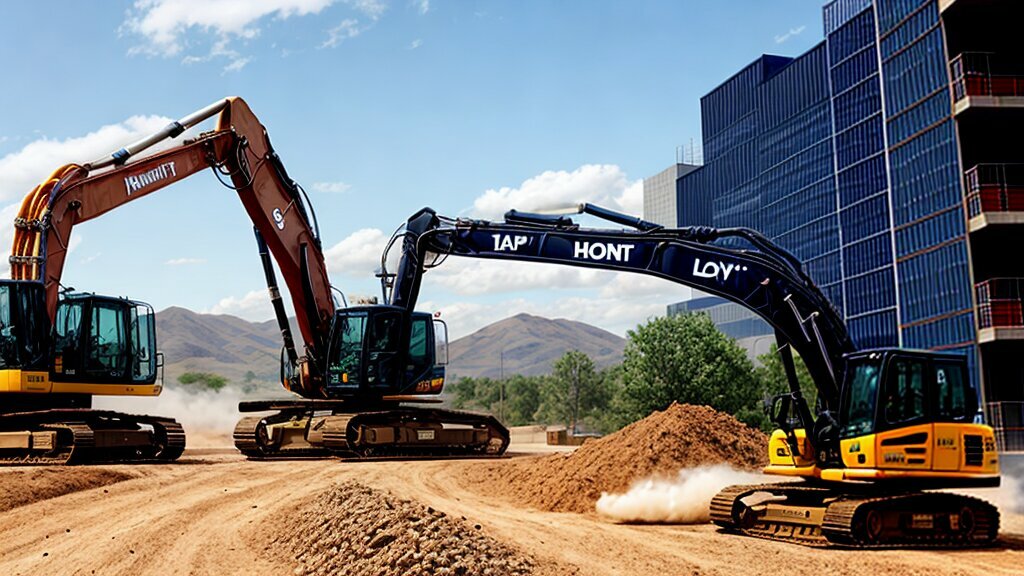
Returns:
point(981, 81)
point(994, 195)
point(1007, 420)
point(1000, 309)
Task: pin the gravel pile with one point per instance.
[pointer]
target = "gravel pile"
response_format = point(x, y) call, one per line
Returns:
point(355, 530)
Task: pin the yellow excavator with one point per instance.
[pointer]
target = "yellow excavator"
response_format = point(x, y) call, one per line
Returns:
point(888, 426)
point(59, 349)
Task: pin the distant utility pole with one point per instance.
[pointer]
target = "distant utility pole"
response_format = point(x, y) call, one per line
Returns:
point(501, 385)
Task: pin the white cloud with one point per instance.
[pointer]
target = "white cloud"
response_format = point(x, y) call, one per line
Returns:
point(372, 9)
point(254, 306)
point(358, 254)
point(423, 6)
point(93, 258)
point(184, 261)
point(603, 184)
point(415, 44)
point(237, 64)
point(331, 187)
point(349, 28)
point(163, 24)
point(22, 170)
point(782, 38)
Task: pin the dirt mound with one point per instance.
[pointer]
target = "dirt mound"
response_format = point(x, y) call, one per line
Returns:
point(681, 436)
point(22, 486)
point(352, 529)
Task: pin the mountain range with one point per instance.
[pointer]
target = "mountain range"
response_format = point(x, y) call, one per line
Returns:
point(249, 352)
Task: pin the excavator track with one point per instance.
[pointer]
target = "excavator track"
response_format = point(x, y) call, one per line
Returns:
point(400, 433)
point(84, 436)
point(831, 517)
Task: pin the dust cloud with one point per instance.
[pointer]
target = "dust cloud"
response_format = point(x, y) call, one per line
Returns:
point(1010, 494)
point(207, 416)
point(685, 499)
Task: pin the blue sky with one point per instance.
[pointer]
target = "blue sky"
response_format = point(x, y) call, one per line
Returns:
point(378, 108)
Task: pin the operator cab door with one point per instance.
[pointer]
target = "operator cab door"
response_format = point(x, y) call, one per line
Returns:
point(905, 431)
point(142, 341)
point(955, 405)
point(383, 351)
point(345, 365)
point(427, 354)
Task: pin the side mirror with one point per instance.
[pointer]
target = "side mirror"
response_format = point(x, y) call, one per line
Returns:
point(440, 342)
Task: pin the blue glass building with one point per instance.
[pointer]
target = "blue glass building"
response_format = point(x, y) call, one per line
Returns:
point(882, 159)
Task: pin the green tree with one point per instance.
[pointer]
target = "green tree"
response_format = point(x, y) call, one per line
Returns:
point(203, 380)
point(611, 414)
point(522, 399)
point(685, 358)
point(474, 393)
point(573, 391)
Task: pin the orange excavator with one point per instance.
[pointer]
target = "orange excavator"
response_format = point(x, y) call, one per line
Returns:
point(59, 349)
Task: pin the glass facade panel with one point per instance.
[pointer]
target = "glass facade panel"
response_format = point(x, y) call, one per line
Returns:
point(935, 283)
point(847, 157)
point(915, 73)
point(926, 175)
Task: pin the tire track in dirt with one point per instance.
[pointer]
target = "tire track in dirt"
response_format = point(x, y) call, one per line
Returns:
point(198, 517)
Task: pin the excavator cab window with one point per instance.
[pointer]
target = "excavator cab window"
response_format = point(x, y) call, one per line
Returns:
point(346, 365)
point(954, 396)
point(903, 398)
point(142, 336)
point(23, 334)
point(440, 342)
point(8, 339)
point(860, 396)
point(67, 337)
point(422, 352)
point(107, 343)
point(102, 340)
point(383, 346)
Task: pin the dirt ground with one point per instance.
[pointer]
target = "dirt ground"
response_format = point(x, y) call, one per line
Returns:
point(210, 513)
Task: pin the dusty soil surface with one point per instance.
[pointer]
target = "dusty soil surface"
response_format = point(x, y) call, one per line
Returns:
point(21, 486)
point(681, 436)
point(216, 514)
point(367, 532)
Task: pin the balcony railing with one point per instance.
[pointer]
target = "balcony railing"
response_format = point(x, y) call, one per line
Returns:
point(1000, 304)
point(1007, 419)
point(994, 188)
point(979, 74)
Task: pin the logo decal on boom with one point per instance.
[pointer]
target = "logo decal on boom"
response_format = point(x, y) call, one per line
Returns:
point(278, 218)
point(140, 181)
point(602, 251)
point(506, 243)
point(713, 269)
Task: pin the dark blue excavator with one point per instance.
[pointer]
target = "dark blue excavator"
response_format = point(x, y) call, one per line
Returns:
point(886, 424)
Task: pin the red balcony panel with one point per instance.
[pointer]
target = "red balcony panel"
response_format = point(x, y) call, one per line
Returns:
point(1015, 198)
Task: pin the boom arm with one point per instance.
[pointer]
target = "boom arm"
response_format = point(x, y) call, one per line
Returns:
point(765, 279)
point(238, 148)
